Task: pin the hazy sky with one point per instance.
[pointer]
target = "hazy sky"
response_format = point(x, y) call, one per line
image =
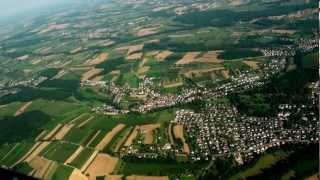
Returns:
point(12, 7)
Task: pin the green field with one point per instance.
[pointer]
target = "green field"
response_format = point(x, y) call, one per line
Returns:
point(62, 173)
point(79, 161)
point(158, 169)
point(79, 136)
point(19, 151)
point(45, 54)
point(264, 162)
point(115, 140)
point(58, 151)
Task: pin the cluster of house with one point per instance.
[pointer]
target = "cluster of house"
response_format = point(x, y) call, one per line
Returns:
point(117, 92)
point(247, 79)
point(315, 93)
point(158, 100)
point(243, 81)
point(281, 51)
point(108, 110)
point(302, 44)
point(158, 149)
point(221, 131)
point(29, 82)
point(13, 87)
point(93, 83)
point(5, 92)
point(307, 44)
point(151, 98)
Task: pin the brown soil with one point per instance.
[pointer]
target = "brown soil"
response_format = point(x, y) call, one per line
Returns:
point(97, 133)
point(136, 177)
point(134, 56)
point(85, 122)
point(135, 48)
point(91, 74)
point(132, 136)
point(27, 154)
point(60, 74)
point(198, 72)
point(176, 84)
point(105, 141)
point(146, 32)
point(74, 155)
point(125, 137)
point(52, 132)
point(102, 165)
point(210, 57)
point(225, 73)
point(63, 131)
point(170, 134)
point(178, 133)
point(77, 175)
point(147, 130)
point(113, 177)
point(37, 151)
point(40, 136)
point(188, 58)
point(23, 108)
point(163, 55)
point(253, 64)
point(73, 121)
point(89, 161)
point(41, 165)
point(97, 60)
point(76, 50)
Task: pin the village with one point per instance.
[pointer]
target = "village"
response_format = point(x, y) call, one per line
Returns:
point(219, 129)
point(222, 131)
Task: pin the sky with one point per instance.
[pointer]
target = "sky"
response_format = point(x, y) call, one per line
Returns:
point(12, 7)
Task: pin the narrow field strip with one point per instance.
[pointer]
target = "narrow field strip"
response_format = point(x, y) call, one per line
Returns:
point(105, 141)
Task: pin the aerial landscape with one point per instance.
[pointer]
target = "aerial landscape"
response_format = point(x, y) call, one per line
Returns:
point(161, 90)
